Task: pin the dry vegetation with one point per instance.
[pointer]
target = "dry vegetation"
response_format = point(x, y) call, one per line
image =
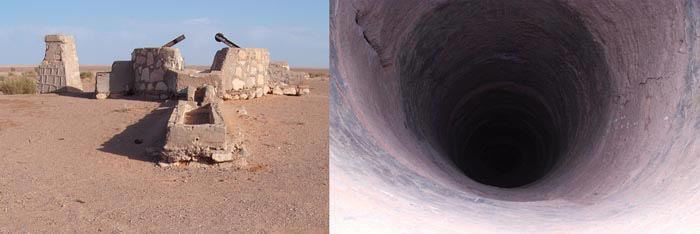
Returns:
point(85, 75)
point(22, 83)
point(313, 72)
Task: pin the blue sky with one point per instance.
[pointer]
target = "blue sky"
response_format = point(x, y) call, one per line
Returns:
point(105, 31)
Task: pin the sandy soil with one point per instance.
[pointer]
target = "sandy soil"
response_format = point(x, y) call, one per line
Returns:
point(70, 164)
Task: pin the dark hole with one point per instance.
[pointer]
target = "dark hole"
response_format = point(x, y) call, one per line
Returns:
point(502, 89)
point(505, 141)
point(199, 95)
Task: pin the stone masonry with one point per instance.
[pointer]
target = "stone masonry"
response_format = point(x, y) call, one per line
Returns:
point(245, 69)
point(240, 72)
point(59, 71)
point(235, 73)
point(198, 133)
point(280, 73)
point(150, 67)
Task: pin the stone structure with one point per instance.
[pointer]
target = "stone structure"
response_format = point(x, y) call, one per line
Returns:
point(150, 66)
point(279, 65)
point(234, 71)
point(102, 85)
point(198, 133)
point(279, 72)
point(245, 69)
point(119, 81)
point(59, 71)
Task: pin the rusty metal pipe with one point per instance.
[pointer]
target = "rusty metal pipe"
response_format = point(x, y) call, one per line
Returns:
point(175, 41)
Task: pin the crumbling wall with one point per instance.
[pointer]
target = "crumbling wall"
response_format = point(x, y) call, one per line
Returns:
point(235, 72)
point(279, 72)
point(59, 71)
point(150, 66)
point(297, 78)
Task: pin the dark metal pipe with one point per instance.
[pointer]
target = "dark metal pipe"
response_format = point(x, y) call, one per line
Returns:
point(220, 38)
point(175, 41)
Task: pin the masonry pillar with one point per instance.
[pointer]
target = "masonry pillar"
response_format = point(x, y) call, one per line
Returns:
point(59, 71)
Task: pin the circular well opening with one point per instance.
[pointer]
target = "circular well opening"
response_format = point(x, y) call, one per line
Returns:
point(504, 91)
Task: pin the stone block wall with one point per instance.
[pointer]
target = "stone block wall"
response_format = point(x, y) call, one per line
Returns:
point(119, 81)
point(121, 78)
point(181, 80)
point(297, 78)
point(150, 66)
point(279, 72)
point(243, 70)
point(59, 71)
point(102, 85)
point(236, 73)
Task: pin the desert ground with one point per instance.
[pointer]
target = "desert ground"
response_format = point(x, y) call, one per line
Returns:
point(71, 164)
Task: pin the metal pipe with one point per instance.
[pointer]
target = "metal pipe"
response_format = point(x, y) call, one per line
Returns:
point(220, 38)
point(175, 41)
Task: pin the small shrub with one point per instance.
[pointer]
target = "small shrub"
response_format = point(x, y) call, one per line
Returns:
point(3, 78)
point(18, 85)
point(316, 74)
point(30, 74)
point(85, 75)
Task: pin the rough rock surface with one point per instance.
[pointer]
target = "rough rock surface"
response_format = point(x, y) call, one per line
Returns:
point(290, 91)
point(277, 91)
point(610, 86)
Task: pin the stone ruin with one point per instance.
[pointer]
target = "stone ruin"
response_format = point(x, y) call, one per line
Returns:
point(150, 66)
point(281, 74)
point(197, 133)
point(196, 130)
point(59, 71)
point(115, 83)
point(236, 73)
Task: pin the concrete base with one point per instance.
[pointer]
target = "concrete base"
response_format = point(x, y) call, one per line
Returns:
point(198, 133)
